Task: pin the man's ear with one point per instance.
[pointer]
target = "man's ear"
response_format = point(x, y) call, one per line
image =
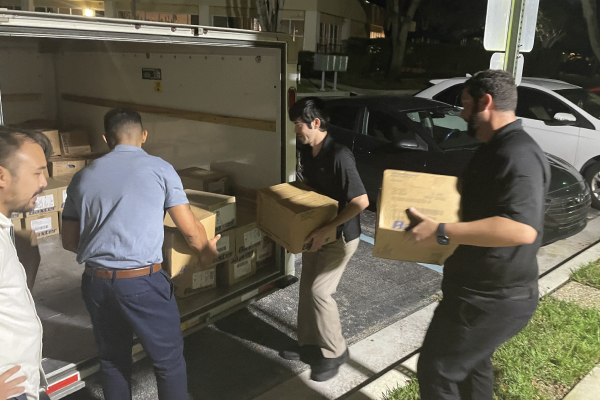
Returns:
point(5, 177)
point(104, 137)
point(316, 124)
point(485, 103)
point(144, 136)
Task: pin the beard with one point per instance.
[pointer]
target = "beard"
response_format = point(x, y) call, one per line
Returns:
point(473, 124)
point(20, 205)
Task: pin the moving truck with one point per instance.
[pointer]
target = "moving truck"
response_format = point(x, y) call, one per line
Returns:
point(209, 97)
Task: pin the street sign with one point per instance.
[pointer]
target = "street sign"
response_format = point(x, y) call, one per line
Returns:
point(497, 22)
point(497, 62)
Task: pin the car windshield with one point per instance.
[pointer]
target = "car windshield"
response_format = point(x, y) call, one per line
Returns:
point(444, 126)
point(589, 102)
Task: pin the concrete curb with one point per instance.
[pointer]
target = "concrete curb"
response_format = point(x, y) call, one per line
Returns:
point(373, 369)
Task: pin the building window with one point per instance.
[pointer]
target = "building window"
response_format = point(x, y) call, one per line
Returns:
point(377, 32)
point(157, 17)
point(222, 21)
point(16, 8)
point(329, 39)
point(293, 27)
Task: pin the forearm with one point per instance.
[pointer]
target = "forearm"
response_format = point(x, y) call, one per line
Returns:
point(352, 209)
point(197, 240)
point(491, 232)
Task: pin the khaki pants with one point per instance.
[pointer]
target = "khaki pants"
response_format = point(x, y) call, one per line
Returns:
point(318, 316)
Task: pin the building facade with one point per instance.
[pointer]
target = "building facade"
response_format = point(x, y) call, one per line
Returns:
point(318, 25)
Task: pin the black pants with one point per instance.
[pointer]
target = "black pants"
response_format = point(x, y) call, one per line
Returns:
point(466, 329)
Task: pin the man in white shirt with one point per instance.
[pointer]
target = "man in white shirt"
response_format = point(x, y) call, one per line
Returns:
point(22, 165)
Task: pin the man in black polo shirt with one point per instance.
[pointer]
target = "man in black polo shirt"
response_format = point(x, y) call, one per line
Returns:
point(329, 168)
point(490, 284)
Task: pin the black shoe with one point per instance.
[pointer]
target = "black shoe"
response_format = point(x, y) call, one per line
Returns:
point(307, 353)
point(327, 368)
point(293, 353)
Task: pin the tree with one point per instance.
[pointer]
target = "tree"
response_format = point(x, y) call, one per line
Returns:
point(590, 13)
point(269, 14)
point(399, 16)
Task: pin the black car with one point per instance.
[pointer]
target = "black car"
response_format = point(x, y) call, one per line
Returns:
point(422, 135)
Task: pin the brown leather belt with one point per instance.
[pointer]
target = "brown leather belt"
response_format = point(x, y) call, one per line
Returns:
point(121, 273)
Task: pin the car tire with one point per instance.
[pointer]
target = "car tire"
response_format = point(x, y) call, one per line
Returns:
point(592, 177)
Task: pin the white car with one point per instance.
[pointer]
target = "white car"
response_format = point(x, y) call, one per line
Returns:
point(564, 119)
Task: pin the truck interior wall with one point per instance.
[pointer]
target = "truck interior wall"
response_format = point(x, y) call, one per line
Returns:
point(220, 81)
point(27, 82)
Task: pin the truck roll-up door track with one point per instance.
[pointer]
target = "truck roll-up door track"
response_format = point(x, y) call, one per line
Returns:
point(261, 125)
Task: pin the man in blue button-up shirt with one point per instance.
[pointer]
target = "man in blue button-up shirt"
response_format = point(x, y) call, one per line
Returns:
point(113, 220)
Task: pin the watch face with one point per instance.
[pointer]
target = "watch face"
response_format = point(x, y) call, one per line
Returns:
point(443, 240)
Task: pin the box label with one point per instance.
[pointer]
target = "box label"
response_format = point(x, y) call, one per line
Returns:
point(15, 215)
point(44, 202)
point(41, 224)
point(217, 187)
point(225, 216)
point(64, 196)
point(223, 245)
point(242, 268)
point(153, 74)
point(203, 279)
point(252, 237)
point(265, 252)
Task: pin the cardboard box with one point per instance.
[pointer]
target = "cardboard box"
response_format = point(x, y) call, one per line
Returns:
point(16, 215)
point(46, 202)
point(74, 141)
point(195, 278)
point(28, 252)
point(433, 195)
point(204, 180)
point(247, 234)
point(64, 166)
point(236, 270)
point(18, 224)
point(42, 224)
point(59, 185)
point(226, 246)
point(265, 253)
point(288, 214)
point(177, 255)
point(48, 128)
point(222, 205)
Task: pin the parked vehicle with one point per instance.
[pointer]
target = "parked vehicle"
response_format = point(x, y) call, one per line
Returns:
point(421, 135)
point(564, 119)
point(209, 97)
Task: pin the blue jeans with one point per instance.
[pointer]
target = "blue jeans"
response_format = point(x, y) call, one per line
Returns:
point(144, 306)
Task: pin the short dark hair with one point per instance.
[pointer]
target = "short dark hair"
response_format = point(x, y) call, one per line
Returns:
point(117, 123)
point(308, 109)
point(497, 83)
point(11, 140)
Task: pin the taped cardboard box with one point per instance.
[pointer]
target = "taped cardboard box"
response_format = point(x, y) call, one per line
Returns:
point(288, 214)
point(436, 196)
point(46, 202)
point(74, 141)
point(43, 225)
point(195, 278)
point(48, 128)
point(222, 205)
point(177, 255)
point(18, 224)
point(226, 246)
point(237, 269)
point(16, 215)
point(64, 166)
point(247, 235)
point(59, 185)
point(204, 180)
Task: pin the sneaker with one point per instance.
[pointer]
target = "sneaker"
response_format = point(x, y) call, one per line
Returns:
point(327, 368)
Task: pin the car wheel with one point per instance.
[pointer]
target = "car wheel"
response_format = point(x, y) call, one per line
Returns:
point(592, 177)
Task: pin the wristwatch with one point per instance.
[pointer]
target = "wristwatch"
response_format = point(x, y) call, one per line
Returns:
point(441, 235)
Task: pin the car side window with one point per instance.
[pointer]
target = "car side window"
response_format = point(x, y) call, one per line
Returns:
point(535, 104)
point(344, 116)
point(451, 95)
point(387, 128)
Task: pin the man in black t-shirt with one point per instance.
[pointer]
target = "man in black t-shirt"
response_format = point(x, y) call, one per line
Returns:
point(328, 168)
point(490, 288)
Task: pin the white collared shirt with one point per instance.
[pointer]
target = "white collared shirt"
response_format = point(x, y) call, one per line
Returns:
point(20, 327)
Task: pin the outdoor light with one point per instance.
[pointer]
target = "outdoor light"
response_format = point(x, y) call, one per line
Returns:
point(88, 12)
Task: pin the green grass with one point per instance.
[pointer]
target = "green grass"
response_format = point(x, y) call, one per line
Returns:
point(560, 345)
point(589, 275)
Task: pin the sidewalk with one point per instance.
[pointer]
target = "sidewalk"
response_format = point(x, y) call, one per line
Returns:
point(374, 367)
